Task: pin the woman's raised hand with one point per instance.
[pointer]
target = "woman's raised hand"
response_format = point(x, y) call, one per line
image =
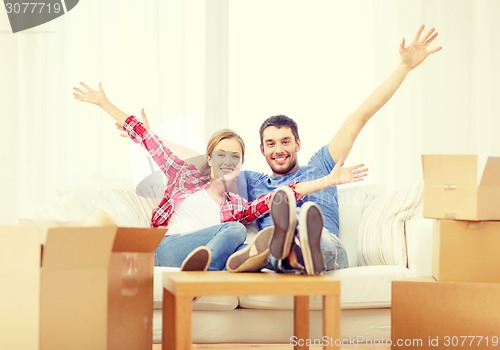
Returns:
point(87, 94)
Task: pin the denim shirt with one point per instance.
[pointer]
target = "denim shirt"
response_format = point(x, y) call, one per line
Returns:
point(320, 164)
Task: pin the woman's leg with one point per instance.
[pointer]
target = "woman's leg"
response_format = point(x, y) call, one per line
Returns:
point(225, 242)
point(222, 239)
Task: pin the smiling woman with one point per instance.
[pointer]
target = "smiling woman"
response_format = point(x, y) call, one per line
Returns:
point(226, 154)
point(197, 206)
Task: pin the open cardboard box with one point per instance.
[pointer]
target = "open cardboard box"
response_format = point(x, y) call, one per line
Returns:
point(426, 314)
point(451, 189)
point(466, 251)
point(95, 289)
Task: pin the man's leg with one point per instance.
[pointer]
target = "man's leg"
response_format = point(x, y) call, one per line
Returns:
point(314, 248)
point(334, 253)
point(304, 255)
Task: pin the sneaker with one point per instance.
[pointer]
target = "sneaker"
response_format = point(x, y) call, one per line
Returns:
point(283, 211)
point(310, 228)
point(198, 260)
point(253, 257)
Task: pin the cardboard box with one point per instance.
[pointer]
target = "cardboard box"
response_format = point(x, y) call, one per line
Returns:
point(466, 251)
point(427, 314)
point(74, 288)
point(20, 279)
point(451, 190)
point(97, 288)
point(93, 291)
point(130, 293)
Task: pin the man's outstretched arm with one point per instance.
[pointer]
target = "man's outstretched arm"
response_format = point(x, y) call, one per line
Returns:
point(411, 57)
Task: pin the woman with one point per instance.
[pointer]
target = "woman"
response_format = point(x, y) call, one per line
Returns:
point(197, 207)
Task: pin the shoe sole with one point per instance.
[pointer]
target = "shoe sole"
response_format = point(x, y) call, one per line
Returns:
point(283, 212)
point(253, 257)
point(310, 230)
point(198, 260)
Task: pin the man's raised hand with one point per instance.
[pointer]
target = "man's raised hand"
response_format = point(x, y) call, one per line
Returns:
point(418, 50)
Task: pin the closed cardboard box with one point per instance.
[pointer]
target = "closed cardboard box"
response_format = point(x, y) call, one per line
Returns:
point(466, 251)
point(452, 191)
point(427, 314)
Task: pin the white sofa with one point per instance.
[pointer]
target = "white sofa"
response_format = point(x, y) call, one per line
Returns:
point(384, 234)
point(365, 290)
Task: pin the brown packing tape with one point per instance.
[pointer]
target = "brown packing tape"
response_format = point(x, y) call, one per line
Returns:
point(476, 225)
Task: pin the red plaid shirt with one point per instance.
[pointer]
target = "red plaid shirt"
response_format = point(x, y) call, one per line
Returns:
point(184, 179)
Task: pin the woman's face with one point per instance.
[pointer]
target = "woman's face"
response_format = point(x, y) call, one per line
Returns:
point(226, 160)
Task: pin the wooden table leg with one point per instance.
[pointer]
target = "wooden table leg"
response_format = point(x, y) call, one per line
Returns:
point(183, 317)
point(331, 321)
point(301, 322)
point(176, 328)
point(168, 323)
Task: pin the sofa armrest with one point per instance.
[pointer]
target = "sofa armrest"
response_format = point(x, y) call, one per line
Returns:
point(419, 246)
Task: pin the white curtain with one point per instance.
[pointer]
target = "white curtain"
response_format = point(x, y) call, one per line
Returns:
point(146, 54)
point(196, 66)
point(317, 60)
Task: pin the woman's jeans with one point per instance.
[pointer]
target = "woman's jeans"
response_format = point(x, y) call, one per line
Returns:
point(223, 240)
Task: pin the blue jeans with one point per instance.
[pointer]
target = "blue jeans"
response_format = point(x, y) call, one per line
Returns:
point(334, 253)
point(223, 240)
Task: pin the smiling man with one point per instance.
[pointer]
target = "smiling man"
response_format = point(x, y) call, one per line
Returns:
point(280, 143)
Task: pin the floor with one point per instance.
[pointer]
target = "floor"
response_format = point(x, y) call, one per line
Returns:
point(269, 346)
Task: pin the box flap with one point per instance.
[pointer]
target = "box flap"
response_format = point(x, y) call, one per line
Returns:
point(45, 225)
point(142, 240)
point(453, 169)
point(78, 247)
point(491, 174)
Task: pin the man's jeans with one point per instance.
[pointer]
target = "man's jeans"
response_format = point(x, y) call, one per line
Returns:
point(223, 240)
point(334, 254)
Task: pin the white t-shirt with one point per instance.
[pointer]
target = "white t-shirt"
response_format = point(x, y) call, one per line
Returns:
point(194, 213)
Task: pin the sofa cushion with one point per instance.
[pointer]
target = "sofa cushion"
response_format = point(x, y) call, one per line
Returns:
point(381, 239)
point(207, 303)
point(362, 287)
point(351, 201)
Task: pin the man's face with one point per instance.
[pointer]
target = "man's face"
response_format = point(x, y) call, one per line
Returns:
point(280, 149)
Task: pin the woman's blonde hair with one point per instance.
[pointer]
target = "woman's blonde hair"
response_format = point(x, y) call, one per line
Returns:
point(214, 140)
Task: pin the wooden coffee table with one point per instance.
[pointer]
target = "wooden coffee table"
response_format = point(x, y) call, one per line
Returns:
point(179, 288)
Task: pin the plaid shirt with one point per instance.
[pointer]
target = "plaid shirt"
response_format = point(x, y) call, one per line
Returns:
point(184, 179)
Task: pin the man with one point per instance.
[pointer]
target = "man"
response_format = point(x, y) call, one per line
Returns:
point(303, 245)
point(280, 143)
